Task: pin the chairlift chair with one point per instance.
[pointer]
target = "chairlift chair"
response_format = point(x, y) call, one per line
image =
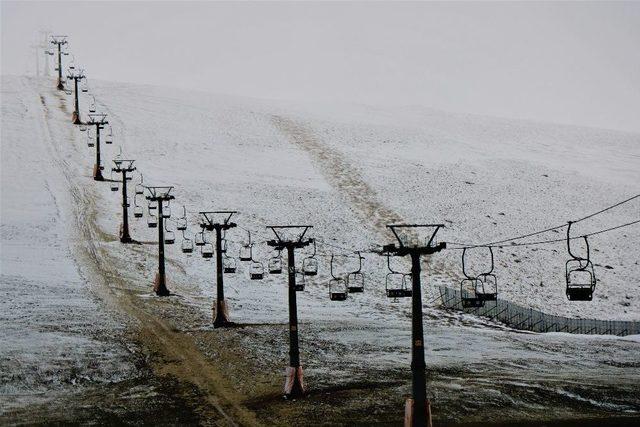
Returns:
point(229, 264)
point(257, 270)
point(246, 251)
point(187, 244)
point(395, 283)
point(275, 265)
point(139, 186)
point(206, 250)
point(310, 263)
point(114, 183)
point(468, 293)
point(337, 286)
point(83, 128)
point(152, 221)
point(579, 273)
point(300, 284)
point(109, 137)
point(90, 141)
point(151, 205)
point(469, 287)
point(166, 210)
point(487, 284)
point(92, 105)
point(138, 211)
point(169, 235)
point(181, 223)
point(199, 238)
point(355, 279)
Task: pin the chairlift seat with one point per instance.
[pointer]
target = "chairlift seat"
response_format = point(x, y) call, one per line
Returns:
point(355, 283)
point(310, 266)
point(275, 266)
point(468, 295)
point(487, 287)
point(257, 271)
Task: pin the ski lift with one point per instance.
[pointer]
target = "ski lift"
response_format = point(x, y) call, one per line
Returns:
point(257, 270)
point(229, 264)
point(109, 137)
point(310, 263)
point(223, 245)
point(579, 273)
point(206, 250)
point(90, 142)
point(199, 237)
point(468, 293)
point(181, 223)
point(300, 284)
point(83, 128)
point(114, 183)
point(169, 236)
point(68, 90)
point(275, 264)
point(487, 284)
point(337, 287)
point(151, 205)
point(166, 210)
point(92, 105)
point(468, 288)
point(355, 279)
point(187, 244)
point(152, 221)
point(138, 212)
point(84, 88)
point(140, 187)
point(396, 283)
point(246, 251)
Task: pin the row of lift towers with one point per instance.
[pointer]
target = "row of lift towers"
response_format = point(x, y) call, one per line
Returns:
point(288, 238)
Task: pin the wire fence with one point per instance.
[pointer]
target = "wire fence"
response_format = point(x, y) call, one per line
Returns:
point(529, 319)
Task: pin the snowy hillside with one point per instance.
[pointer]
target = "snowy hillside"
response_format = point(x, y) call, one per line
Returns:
point(348, 171)
point(351, 170)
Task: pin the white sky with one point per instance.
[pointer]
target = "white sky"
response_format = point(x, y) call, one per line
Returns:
point(573, 62)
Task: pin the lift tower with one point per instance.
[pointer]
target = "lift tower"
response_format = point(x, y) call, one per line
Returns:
point(220, 221)
point(99, 121)
point(291, 237)
point(160, 195)
point(59, 41)
point(76, 75)
point(417, 409)
point(124, 166)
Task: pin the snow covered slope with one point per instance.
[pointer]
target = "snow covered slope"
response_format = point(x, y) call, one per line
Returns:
point(349, 171)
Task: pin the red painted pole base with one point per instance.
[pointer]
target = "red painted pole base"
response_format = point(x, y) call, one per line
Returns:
point(75, 118)
point(293, 383)
point(221, 317)
point(160, 288)
point(60, 85)
point(97, 173)
point(408, 414)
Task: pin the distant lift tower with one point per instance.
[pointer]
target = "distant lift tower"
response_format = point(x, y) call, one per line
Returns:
point(99, 121)
point(59, 41)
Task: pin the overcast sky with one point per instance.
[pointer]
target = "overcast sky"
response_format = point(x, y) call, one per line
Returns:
point(576, 63)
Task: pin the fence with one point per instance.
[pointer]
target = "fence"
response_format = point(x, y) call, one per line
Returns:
point(529, 319)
